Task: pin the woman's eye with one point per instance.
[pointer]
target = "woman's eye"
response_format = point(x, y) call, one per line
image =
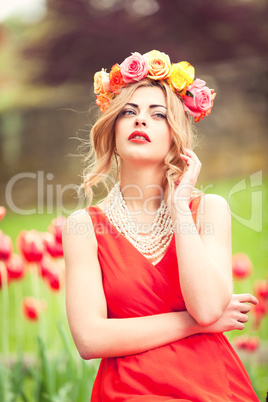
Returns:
point(128, 112)
point(160, 115)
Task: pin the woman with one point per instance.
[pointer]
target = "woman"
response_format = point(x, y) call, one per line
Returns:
point(149, 280)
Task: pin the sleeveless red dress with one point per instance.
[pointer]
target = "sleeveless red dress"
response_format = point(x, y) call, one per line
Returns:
point(199, 368)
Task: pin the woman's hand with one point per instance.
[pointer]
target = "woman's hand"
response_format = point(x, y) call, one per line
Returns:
point(185, 185)
point(235, 314)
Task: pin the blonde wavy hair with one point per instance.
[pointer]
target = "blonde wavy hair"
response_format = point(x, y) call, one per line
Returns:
point(103, 163)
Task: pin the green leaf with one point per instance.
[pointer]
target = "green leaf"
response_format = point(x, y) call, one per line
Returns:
point(188, 93)
point(18, 377)
point(46, 369)
point(67, 346)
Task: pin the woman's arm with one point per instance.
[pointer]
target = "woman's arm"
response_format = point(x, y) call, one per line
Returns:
point(204, 255)
point(205, 258)
point(94, 334)
point(235, 314)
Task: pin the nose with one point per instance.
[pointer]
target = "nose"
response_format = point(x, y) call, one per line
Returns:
point(140, 121)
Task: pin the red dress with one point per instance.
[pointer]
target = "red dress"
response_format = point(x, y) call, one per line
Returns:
point(199, 368)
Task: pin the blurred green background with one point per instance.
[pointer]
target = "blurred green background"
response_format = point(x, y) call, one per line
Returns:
point(49, 52)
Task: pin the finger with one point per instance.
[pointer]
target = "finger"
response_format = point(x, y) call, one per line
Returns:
point(244, 308)
point(196, 162)
point(195, 167)
point(185, 157)
point(247, 298)
point(240, 325)
point(192, 154)
point(242, 318)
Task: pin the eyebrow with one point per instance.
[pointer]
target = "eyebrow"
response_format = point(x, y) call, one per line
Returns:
point(151, 106)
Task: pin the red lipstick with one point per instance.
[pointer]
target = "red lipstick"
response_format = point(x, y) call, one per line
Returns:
point(139, 137)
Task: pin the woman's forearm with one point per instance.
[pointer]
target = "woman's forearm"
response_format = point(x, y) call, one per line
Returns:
point(205, 287)
point(121, 337)
point(127, 336)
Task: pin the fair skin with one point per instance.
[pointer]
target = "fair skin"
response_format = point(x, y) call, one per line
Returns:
point(205, 275)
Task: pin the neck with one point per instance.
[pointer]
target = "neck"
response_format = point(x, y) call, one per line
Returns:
point(142, 187)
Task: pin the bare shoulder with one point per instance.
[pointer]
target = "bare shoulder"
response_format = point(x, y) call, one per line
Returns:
point(213, 202)
point(213, 209)
point(81, 215)
point(78, 227)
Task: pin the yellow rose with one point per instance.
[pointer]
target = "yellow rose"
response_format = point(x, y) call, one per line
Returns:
point(101, 82)
point(182, 75)
point(159, 65)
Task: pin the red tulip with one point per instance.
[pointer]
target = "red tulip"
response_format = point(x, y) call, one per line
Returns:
point(53, 247)
point(52, 273)
point(31, 245)
point(241, 342)
point(15, 267)
point(3, 274)
point(45, 267)
point(247, 343)
point(6, 246)
point(54, 281)
point(242, 266)
point(32, 308)
point(259, 311)
point(261, 289)
point(56, 228)
point(2, 212)
point(253, 343)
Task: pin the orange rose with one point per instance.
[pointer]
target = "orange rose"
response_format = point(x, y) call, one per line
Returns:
point(116, 79)
point(182, 75)
point(159, 65)
point(103, 102)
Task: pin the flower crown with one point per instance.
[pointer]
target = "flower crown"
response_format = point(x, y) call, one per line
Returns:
point(197, 98)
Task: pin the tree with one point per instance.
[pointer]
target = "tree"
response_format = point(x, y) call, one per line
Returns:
point(79, 39)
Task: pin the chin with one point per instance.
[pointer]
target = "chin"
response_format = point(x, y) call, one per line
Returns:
point(141, 157)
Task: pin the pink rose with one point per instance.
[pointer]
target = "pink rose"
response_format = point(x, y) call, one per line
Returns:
point(201, 101)
point(134, 68)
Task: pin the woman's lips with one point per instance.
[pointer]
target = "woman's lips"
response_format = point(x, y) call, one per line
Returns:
point(139, 137)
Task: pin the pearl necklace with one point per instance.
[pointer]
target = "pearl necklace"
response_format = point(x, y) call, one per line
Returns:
point(155, 240)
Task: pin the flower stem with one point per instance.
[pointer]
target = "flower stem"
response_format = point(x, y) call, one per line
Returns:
point(5, 315)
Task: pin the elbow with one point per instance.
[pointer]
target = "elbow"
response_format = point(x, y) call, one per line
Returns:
point(86, 354)
point(89, 353)
point(89, 348)
point(208, 318)
point(210, 313)
point(92, 340)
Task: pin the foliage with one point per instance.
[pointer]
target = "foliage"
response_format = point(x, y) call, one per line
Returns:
point(56, 378)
